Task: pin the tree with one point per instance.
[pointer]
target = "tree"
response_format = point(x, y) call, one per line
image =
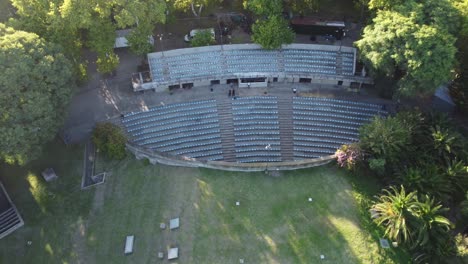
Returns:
point(385, 138)
point(272, 33)
point(202, 38)
point(413, 43)
point(300, 6)
point(396, 210)
point(68, 22)
point(110, 139)
point(192, 4)
point(264, 8)
point(36, 85)
point(138, 39)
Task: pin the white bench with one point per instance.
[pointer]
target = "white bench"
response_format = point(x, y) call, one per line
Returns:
point(129, 245)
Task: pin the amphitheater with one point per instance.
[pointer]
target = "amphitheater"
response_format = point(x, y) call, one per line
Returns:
point(265, 123)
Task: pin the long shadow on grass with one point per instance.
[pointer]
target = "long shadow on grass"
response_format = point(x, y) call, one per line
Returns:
point(52, 211)
point(276, 223)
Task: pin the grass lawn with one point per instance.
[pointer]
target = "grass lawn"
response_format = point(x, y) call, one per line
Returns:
point(273, 224)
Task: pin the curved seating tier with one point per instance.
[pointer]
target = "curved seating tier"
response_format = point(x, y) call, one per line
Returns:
point(192, 129)
point(188, 129)
point(218, 62)
point(322, 125)
point(256, 129)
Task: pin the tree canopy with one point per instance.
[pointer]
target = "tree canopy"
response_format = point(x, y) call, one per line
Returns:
point(272, 33)
point(74, 24)
point(264, 7)
point(193, 5)
point(36, 85)
point(202, 38)
point(413, 43)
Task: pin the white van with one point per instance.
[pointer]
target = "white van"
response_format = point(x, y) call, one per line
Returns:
point(193, 32)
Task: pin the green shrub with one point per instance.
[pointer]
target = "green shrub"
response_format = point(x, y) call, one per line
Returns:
point(202, 38)
point(110, 139)
point(146, 162)
point(377, 166)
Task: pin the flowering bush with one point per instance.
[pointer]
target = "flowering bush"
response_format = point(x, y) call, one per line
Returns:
point(348, 155)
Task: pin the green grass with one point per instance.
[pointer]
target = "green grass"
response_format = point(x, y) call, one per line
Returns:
point(52, 211)
point(274, 223)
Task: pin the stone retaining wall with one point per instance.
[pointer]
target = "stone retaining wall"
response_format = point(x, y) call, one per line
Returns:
point(155, 157)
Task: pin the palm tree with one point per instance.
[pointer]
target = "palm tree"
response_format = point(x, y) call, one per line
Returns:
point(396, 210)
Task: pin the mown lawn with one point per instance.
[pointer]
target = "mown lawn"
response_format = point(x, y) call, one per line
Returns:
point(275, 222)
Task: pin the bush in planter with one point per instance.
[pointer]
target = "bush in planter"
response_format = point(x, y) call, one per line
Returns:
point(110, 139)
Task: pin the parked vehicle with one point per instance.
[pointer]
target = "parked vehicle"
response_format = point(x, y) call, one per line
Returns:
point(193, 32)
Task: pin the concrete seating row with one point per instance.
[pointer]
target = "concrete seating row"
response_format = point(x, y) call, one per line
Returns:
point(257, 112)
point(311, 64)
point(331, 115)
point(337, 101)
point(315, 150)
point(176, 137)
point(254, 101)
point(257, 160)
point(303, 104)
point(325, 135)
point(216, 157)
point(272, 149)
point(327, 146)
point(296, 68)
point(244, 128)
point(177, 126)
point(272, 139)
point(257, 117)
point(297, 121)
point(207, 154)
point(8, 220)
point(250, 123)
point(174, 120)
point(333, 110)
point(320, 60)
point(325, 125)
point(256, 133)
point(182, 141)
point(159, 117)
point(192, 145)
point(299, 51)
point(250, 107)
point(323, 130)
point(256, 154)
point(197, 128)
point(314, 139)
point(191, 150)
point(258, 143)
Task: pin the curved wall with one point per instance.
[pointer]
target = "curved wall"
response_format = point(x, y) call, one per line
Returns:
point(155, 157)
